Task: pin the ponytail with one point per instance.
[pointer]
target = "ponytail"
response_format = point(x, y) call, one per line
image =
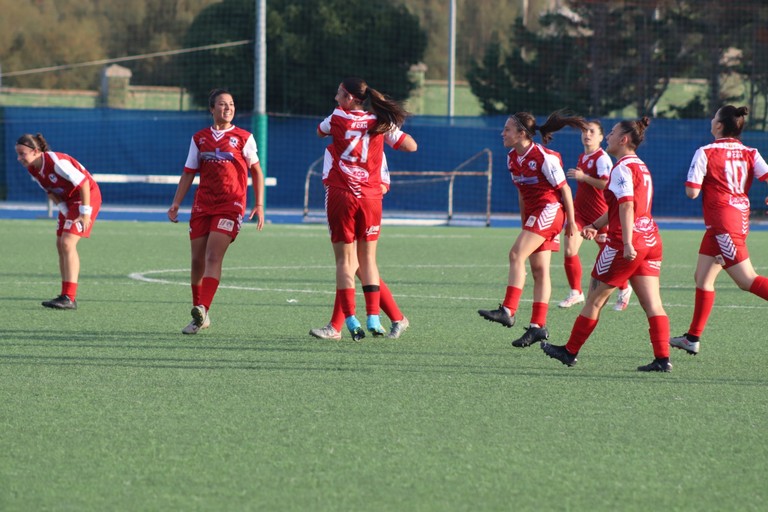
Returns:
point(556, 121)
point(733, 120)
point(389, 113)
point(636, 130)
point(37, 142)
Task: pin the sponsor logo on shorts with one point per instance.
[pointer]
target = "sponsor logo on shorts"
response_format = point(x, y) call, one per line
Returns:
point(69, 223)
point(226, 224)
point(372, 230)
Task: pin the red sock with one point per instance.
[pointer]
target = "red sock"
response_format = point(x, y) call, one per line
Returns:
point(582, 329)
point(702, 307)
point(372, 294)
point(512, 299)
point(346, 298)
point(539, 313)
point(760, 287)
point(69, 289)
point(207, 291)
point(196, 294)
point(573, 272)
point(388, 304)
point(659, 331)
point(337, 317)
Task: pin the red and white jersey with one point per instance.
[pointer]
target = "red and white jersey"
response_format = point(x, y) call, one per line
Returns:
point(62, 176)
point(724, 171)
point(355, 158)
point(630, 180)
point(223, 159)
point(538, 174)
point(589, 203)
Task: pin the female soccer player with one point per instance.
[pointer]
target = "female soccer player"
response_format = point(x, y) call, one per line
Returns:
point(223, 155)
point(632, 251)
point(722, 172)
point(544, 194)
point(591, 172)
point(354, 174)
point(73, 189)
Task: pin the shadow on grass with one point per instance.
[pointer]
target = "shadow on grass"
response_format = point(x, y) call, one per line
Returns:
point(360, 357)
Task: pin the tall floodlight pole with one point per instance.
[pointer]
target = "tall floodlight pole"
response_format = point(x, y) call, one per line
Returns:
point(451, 57)
point(259, 123)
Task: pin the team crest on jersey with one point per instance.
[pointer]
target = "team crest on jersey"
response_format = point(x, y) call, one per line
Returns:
point(234, 142)
point(201, 141)
point(532, 165)
point(53, 178)
point(590, 164)
point(226, 224)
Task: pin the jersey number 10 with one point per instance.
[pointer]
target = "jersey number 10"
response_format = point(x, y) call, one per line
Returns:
point(736, 174)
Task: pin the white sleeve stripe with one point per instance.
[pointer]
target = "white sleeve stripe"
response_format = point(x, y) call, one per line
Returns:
point(67, 170)
point(193, 161)
point(250, 152)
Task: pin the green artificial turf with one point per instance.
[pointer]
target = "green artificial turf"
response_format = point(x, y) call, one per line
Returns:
point(110, 407)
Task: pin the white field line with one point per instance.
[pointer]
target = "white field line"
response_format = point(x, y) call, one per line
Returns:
point(144, 277)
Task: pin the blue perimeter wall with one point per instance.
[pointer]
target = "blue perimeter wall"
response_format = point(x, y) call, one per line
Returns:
point(156, 142)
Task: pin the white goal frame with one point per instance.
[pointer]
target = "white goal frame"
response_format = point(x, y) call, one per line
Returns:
point(316, 169)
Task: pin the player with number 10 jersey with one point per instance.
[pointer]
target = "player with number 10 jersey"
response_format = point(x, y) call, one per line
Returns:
point(724, 171)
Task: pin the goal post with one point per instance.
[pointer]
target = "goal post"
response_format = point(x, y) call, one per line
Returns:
point(462, 194)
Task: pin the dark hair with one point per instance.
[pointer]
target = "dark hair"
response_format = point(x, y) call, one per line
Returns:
point(389, 113)
point(33, 141)
point(554, 122)
point(598, 124)
point(215, 94)
point(732, 119)
point(636, 130)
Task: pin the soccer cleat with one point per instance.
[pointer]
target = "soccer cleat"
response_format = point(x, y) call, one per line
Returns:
point(374, 326)
point(531, 336)
point(684, 343)
point(199, 315)
point(61, 302)
point(560, 353)
point(355, 329)
point(326, 333)
point(622, 299)
point(572, 300)
point(657, 365)
point(398, 328)
point(192, 327)
point(498, 315)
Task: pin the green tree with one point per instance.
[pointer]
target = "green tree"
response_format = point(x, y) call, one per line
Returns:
point(46, 34)
point(717, 32)
point(594, 58)
point(312, 45)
